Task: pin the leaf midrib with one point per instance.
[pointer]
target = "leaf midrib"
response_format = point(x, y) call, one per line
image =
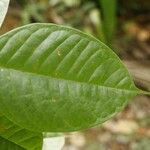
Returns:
point(51, 77)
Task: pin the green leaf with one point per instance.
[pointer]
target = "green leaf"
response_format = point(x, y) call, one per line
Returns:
point(19, 136)
point(109, 10)
point(58, 79)
point(3, 10)
point(7, 145)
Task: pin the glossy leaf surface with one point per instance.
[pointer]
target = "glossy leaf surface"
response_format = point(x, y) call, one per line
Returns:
point(58, 79)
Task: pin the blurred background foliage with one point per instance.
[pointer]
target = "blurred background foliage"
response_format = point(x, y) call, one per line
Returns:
point(124, 25)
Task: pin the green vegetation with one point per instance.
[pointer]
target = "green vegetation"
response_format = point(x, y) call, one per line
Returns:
point(108, 20)
point(58, 79)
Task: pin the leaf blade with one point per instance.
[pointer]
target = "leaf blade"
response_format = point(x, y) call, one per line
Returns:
point(19, 136)
point(58, 69)
point(5, 144)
